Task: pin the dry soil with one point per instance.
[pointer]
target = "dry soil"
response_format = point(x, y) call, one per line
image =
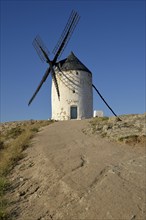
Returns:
point(69, 175)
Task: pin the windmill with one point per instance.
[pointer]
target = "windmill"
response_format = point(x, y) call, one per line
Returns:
point(71, 80)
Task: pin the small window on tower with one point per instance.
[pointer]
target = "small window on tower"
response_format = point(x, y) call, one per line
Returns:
point(77, 73)
point(73, 91)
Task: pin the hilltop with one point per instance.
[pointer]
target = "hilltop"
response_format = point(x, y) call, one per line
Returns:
point(130, 130)
point(89, 169)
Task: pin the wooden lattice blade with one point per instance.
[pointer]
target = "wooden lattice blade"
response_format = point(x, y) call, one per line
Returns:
point(68, 30)
point(40, 85)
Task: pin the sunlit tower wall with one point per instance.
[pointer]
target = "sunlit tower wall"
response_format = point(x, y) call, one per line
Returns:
point(75, 87)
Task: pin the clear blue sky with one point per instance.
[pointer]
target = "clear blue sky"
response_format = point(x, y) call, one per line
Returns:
point(109, 39)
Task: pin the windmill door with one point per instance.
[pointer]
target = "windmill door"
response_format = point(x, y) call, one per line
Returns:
point(73, 112)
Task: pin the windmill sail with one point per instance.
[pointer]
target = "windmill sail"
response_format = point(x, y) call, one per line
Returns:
point(66, 34)
point(44, 53)
point(40, 48)
point(40, 85)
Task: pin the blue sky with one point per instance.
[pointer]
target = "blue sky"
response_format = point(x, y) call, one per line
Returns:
point(109, 39)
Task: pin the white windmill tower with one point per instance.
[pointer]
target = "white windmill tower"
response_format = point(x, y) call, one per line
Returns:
point(75, 87)
point(72, 96)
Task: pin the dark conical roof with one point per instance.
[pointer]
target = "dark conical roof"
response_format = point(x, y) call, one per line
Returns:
point(72, 63)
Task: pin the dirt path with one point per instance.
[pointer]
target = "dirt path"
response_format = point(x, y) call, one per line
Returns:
point(72, 176)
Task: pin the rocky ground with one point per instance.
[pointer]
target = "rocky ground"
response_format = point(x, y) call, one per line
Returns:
point(130, 130)
point(82, 170)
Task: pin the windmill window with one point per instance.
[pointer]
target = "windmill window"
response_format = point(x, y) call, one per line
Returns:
point(73, 91)
point(77, 73)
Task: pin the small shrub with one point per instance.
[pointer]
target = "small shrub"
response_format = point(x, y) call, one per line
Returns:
point(1, 145)
point(100, 119)
point(34, 129)
point(103, 134)
point(3, 213)
point(130, 139)
point(3, 185)
point(15, 132)
point(3, 203)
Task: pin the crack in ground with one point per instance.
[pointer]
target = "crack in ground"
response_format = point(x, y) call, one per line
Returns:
point(83, 162)
point(101, 175)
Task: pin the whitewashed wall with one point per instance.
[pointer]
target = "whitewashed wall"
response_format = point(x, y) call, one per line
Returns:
point(75, 89)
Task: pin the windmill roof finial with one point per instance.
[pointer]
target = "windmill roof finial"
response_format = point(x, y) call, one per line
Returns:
point(72, 63)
